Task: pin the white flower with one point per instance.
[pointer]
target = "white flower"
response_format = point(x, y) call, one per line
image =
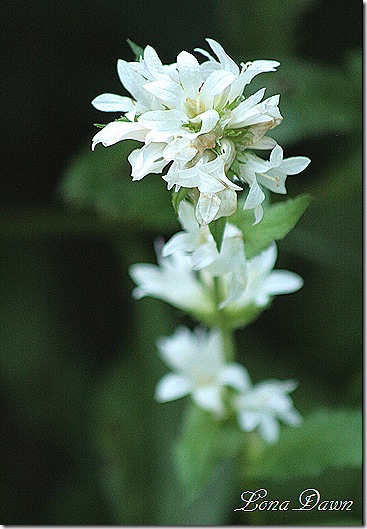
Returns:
point(263, 282)
point(189, 262)
point(173, 281)
point(270, 174)
point(193, 119)
point(263, 405)
point(199, 369)
point(198, 242)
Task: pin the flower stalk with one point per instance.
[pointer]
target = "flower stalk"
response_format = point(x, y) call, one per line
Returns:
point(202, 134)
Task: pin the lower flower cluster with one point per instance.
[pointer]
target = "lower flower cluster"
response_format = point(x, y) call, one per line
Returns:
point(200, 369)
point(224, 290)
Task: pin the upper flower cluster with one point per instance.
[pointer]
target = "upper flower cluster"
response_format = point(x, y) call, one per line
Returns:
point(198, 127)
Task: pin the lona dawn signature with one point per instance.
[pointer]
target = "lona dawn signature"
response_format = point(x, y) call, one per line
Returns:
point(308, 500)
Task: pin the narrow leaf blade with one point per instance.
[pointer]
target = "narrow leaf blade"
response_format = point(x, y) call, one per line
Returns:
point(217, 228)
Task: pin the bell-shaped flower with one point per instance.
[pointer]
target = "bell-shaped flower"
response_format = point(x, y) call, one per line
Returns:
point(262, 407)
point(262, 282)
point(270, 174)
point(198, 368)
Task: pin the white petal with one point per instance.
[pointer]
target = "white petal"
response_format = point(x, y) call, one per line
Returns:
point(269, 429)
point(282, 282)
point(167, 91)
point(117, 131)
point(209, 398)
point(248, 420)
point(228, 203)
point(266, 260)
point(236, 288)
point(161, 136)
point(240, 113)
point(113, 103)
point(190, 75)
point(179, 350)
point(171, 387)
point(225, 60)
point(216, 83)
point(258, 213)
point(148, 159)
point(291, 417)
point(204, 255)
point(185, 177)
point(257, 67)
point(174, 282)
point(207, 207)
point(180, 149)
point(295, 164)
point(265, 143)
point(209, 184)
point(208, 120)
point(147, 276)
point(152, 61)
point(206, 54)
point(212, 352)
point(276, 156)
point(257, 164)
point(133, 82)
point(163, 120)
point(255, 196)
point(235, 375)
point(179, 242)
point(186, 216)
point(274, 180)
point(208, 67)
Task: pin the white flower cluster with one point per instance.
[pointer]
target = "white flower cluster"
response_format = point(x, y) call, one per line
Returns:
point(199, 368)
point(189, 262)
point(198, 127)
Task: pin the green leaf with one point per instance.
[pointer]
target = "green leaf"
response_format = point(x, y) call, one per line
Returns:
point(277, 221)
point(136, 49)
point(204, 444)
point(178, 197)
point(326, 439)
point(217, 228)
point(101, 181)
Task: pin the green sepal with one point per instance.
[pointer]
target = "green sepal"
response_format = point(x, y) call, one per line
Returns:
point(178, 197)
point(278, 220)
point(238, 318)
point(217, 228)
point(136, 49)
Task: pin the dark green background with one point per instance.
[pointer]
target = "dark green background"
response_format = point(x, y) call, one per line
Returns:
point(82, 440)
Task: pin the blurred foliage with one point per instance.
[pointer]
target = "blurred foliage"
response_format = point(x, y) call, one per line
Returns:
point(327, 439)
point(84, 442)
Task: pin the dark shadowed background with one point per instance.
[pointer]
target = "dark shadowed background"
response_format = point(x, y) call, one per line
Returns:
point(82, 440)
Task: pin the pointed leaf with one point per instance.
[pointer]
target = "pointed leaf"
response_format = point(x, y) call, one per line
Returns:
point(278, 220)
point(217, 228)
point(136, 49)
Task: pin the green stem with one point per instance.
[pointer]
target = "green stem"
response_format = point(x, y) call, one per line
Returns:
point(222, 324)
